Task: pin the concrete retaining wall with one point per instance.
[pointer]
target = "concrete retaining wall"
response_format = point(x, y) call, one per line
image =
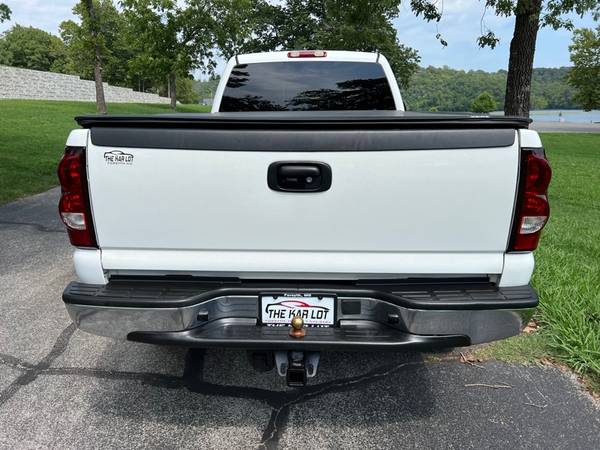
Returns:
point(20, 83)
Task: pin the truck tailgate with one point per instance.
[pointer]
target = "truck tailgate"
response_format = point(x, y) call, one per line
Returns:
point(399, 203)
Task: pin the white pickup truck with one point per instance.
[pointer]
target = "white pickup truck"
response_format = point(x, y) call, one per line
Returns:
point(307, 195)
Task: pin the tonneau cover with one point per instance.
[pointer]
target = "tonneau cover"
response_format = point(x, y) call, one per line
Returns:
point(312, 119)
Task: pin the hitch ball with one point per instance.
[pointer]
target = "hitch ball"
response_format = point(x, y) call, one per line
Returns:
point(297, 330)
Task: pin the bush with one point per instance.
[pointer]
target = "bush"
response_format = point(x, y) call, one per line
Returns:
point(484, 103)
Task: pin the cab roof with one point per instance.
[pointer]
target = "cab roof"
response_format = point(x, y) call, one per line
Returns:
point(331, 55)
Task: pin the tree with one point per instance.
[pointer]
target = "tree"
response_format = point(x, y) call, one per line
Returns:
point(529, 15)
point(91, 27)
point(5, 12)
point(207, 88)
point(177, 37)
point(364, 25)
point(31, 48)
point(484, 103)
point(116, 49)
point(585, 74)
point(185, 90)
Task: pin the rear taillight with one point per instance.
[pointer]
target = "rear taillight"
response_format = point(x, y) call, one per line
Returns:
point(532, 206)
point(74, 205)
point(307, 54)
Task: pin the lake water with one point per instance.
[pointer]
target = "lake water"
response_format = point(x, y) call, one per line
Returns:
point(568, 115)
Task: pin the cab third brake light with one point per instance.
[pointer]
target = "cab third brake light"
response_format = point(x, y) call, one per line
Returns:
point(307, 54)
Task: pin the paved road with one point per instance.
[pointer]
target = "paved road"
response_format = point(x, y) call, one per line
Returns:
point(565, 127)
point(62, 388)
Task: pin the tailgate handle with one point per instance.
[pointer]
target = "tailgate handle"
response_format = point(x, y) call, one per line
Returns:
point(299, 176)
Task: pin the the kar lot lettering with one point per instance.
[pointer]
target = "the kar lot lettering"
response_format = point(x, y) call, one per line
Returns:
point(306, 313)
point(118, 157)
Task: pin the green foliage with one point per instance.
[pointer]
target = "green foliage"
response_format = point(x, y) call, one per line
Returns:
point(5, 12)
point(484, 103)
point(172, 37)
point(364, 25)
point(585, 74)
point(207, 88)
point(115, 48)
point(32, 48)
point(453, 90)
point(185, 91)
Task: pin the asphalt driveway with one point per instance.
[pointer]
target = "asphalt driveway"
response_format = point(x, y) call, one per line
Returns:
point(62, 388)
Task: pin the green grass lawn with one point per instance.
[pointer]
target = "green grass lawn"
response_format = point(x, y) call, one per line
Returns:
point(567, 277)
point(33, 135)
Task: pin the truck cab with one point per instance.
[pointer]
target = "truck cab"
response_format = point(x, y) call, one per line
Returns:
point(308, 80)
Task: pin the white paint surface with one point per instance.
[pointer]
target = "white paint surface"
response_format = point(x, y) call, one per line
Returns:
point(394, 212)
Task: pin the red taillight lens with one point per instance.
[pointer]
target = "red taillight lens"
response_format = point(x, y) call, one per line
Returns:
point(74, 205)
point(533, 209)
point(538, 173)
point(307, 54)
point(69, 170)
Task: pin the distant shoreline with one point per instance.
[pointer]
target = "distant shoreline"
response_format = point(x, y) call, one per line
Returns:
point(565, 127)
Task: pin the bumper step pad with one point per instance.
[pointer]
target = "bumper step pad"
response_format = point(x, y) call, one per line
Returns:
point(245, 333)
point(449, 294)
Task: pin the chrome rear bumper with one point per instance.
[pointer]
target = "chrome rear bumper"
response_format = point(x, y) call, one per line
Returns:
point(479, 314)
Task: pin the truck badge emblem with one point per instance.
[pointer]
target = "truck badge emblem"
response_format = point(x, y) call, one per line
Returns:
point(118, 157)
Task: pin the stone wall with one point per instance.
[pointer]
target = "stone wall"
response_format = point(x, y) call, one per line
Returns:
point(20, 83)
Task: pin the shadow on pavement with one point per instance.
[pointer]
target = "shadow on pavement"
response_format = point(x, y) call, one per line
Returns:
point(365, 379)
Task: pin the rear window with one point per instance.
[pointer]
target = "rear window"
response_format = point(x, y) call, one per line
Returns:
point(307, 86)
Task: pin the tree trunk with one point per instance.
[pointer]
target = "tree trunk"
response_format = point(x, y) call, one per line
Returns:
point(520, 64)
point(173, 90)
point(100, 102)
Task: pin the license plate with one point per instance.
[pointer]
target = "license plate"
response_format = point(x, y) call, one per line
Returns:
point(316, 311)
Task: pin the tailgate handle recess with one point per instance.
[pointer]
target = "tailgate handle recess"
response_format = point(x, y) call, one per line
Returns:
point(299, 176)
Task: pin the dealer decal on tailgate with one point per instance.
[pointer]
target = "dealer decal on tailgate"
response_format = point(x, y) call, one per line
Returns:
point(315, 310)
